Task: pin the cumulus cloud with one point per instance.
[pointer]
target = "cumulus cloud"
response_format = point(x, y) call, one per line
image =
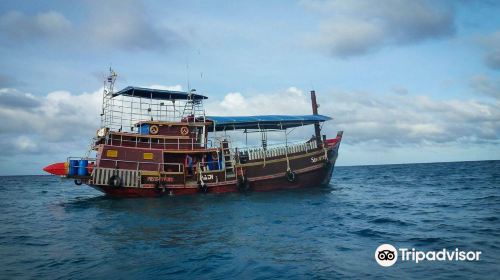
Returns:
point(491, 44)
point(62, 123)
point(386, 120)
point(126, 25)
point(291, 100)
point(52, 122)
point(20, 27)
point(485, 85)
point(18, 144)
point(351, 28)
point(109, 25)
point(54, 118)
point(163, 87)
point(15, 99)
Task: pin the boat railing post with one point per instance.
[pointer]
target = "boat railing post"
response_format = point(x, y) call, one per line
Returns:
point(178, 143)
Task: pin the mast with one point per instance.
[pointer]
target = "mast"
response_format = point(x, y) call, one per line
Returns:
point(317, 129)
point(107, 95)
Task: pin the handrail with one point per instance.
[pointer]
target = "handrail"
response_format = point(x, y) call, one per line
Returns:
point(180, 166)
point(110, 140)
point(259, 153)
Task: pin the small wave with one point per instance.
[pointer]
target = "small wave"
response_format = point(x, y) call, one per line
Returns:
point(489, 219)
point(390, 221)
point(425, 240)
point(368, 233)
point(489, 197)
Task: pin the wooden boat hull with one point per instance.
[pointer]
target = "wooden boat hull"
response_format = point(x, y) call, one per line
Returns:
point(265, 179)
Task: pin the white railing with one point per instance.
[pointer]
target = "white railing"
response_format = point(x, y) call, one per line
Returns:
point(260, 153)
point(156, 142)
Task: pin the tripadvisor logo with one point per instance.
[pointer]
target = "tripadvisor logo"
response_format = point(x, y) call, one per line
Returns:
point(387, 255)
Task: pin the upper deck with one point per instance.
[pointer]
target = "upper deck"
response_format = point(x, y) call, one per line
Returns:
point(130, 108)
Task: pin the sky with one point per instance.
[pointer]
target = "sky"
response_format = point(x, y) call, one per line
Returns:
point(407, 81)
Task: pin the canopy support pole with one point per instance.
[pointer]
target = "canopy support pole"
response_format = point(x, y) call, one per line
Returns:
point(286, 152)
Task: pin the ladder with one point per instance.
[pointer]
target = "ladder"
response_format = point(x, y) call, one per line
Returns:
point(228, 161)
point(194, 107)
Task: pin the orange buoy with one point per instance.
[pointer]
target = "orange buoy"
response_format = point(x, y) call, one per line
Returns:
point(90, 167)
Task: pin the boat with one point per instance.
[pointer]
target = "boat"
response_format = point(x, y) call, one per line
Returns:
point(155, 142)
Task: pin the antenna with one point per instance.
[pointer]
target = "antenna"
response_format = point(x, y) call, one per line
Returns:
point(187, 74)
point(109, 84)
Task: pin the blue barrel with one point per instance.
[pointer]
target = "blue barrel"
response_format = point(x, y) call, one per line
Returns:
point(73, 167)
point(144, 128)
point(82, 167)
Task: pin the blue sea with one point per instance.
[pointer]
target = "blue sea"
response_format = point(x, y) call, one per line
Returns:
point(52, 229)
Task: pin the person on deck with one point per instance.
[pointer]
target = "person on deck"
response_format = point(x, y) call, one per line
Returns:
point(189, 164)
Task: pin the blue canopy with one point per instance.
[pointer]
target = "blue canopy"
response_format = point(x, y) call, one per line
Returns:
point(158, 94)
point(263, 122)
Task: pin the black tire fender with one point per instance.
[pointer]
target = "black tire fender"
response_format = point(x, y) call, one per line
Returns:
point(243, 184)
point(291, 176)
point(115, 181)
point(202, 187)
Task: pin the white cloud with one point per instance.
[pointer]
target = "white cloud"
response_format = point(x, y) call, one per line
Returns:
point(125, 25)
point(108, 25)
point(385, 119)
point(20, 27)
point(24, 144)
point(351, 28)
point(62, 123)
point(36, 124)
point(485, 85)
point(233, 101)
point(175, 88)
point(491, 44)
point(57, 117)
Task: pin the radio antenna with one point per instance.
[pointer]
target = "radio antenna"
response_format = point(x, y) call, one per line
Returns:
point(187, 74)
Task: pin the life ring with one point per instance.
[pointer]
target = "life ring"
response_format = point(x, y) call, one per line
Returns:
point(154, 129)
point(243, 184)
point(115, 181)
point(291, 176)
point(78, 182)
point(184, 130)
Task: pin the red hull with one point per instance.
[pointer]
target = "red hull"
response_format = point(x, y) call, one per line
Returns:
point(315, 175)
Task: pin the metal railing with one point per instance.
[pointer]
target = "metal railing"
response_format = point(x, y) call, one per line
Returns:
point(279, 150)
point(159, 143)
point(177, 167)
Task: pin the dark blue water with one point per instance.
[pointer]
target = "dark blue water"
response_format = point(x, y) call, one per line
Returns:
point(52, 229)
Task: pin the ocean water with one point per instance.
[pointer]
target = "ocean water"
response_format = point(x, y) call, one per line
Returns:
point(50, 228)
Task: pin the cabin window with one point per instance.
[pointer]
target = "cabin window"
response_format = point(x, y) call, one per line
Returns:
point(147, 155)
point(112, 153)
